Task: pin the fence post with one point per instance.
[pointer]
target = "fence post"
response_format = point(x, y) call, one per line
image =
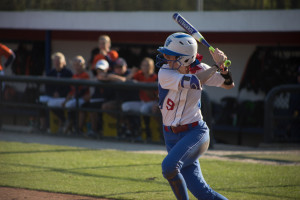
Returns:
point(268, 117)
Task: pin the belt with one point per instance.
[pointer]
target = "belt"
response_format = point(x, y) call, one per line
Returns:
point(180, 128)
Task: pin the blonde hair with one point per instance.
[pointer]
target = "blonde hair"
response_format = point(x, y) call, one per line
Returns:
point(79, 59)
point(60, 56)
point(150, 61)
point(104, 37)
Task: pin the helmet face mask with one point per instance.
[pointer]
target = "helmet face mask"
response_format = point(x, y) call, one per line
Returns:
point(182, 46)
point(161, 60)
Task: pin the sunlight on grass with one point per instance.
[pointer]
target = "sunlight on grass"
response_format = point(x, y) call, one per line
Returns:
point(124, 175)
point(288, 158)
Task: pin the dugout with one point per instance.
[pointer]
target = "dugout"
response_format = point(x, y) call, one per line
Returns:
point(241, 34)
point(138, 34)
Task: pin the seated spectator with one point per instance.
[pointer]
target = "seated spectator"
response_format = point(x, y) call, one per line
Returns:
point(74, 95)
point(101, 54)
point(120, 74)
point(8, 54)
point(55, 91)
point(104, 52)
point(8, 92)
point(99, 96)
point(148, 98)
point(59, 71)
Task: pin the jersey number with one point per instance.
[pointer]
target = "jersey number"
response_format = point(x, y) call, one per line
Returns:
point(170, 104)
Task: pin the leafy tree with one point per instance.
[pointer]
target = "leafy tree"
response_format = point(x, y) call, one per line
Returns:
point(145, 5)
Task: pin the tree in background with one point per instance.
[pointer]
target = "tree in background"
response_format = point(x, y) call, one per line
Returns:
point(146, 5)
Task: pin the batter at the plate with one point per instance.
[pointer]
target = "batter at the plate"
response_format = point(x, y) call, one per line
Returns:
point(181, 77)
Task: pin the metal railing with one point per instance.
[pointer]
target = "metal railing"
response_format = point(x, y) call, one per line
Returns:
point(34, 107)
point(117, 86)
point(38, 80)
point(277, 115)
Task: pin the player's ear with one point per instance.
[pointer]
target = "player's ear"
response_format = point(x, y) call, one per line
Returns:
point(168, 57)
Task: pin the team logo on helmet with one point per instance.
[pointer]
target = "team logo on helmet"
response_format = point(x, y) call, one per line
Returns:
point(168, 41)
point(182, 36)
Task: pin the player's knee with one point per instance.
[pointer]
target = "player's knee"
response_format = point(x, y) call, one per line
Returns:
point(145, 110)
point(170, 170)
point(68, 105)
point(207, 193)
point(125, 107)
point(51, 104)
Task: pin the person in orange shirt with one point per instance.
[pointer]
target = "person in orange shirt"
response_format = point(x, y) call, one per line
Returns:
point(95, 101)
point(70, 100)
point(8, 54)
point(105, 52)
point(8, 91)
point(148, 98)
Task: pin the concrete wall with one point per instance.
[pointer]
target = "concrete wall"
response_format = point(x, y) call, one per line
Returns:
point(217, 21)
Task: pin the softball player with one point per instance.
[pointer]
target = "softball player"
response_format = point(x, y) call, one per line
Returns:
point(181, 78)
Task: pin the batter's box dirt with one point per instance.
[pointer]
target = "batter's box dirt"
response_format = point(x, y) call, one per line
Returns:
point(7, 193)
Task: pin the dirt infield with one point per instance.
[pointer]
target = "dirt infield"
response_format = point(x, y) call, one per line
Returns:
point(7, 193)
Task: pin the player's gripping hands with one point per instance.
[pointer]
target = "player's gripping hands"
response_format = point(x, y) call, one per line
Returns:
point(219, 57)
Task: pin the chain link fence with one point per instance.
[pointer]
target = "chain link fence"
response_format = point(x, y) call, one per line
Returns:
point(282, 114)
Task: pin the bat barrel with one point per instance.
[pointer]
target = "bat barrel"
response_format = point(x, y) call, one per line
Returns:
point(175, 15)
point(184, 24)
point(194, 33)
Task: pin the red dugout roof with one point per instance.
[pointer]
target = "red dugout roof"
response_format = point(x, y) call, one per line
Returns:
point(142, 37)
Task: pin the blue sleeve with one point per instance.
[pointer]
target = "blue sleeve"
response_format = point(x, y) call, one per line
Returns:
point(190, 81)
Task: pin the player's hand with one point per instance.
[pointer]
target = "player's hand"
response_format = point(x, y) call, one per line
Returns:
point(224, 70)
point(102, 76)
point(219, 57)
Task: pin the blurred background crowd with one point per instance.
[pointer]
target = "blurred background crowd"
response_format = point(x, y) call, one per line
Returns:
point(114, 42)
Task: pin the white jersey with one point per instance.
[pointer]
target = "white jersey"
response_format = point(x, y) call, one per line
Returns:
point(180, 105)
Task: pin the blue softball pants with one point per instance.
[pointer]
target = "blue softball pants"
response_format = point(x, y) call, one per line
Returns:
point(181, 166)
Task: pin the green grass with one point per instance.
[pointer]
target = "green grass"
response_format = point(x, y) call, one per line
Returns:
point(284, 158)
point(124, 175)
